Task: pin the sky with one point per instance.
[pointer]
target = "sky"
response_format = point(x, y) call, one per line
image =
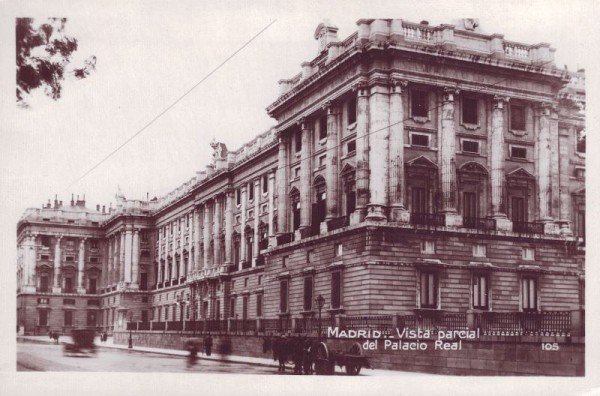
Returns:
point(150, 53)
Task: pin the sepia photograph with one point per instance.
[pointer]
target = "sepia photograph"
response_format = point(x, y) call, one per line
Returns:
point(296, 192)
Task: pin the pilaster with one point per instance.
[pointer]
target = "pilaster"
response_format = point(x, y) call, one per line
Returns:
point(81, 267)
point(305, 175)
point(379, 133)
point(331, 172)
point(497, 163)
point(398, 212)
point(135, 259)
point(256, 221)
point(282, 186)
point(57, 266)
point(362, 152)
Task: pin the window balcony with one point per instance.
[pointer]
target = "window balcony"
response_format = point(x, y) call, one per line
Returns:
point(428, 219)
point(479, 223)
point(524, 227)
point(338, 223)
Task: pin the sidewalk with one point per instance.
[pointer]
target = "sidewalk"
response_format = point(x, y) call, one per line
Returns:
point(215, 356)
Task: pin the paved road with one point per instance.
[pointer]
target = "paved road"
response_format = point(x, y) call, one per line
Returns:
point(49, 357)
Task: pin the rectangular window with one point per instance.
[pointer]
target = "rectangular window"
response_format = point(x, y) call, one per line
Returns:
point(580, 173)
point(45, 241)
point(470, 209)
point(144, 315)
point(528, 253)
point(259, 280)
point(428, 247)
point(283, 296)
point(44, 257)
point(352, 111)
point(529, 293)
point(298, 141)
point(581, 141)
point(91, 318)
point(336, 289)
point(232, 308)
point(93, 259)
point(43, 317)
point(517, 118)
point(238, 196)
point(68, 285)
point(518, 152)
point(250, 192)
point(259, 305)
point(308, 293)
point(419, 200)
point(480, 291)
point(245, 307)
point(581, 223)
point(92, 286)
point(479, 250)
point(470, 146)
point(419, 140)
point(351, 147)
point(428, 289)
point(322, 160)
point(419, 103)
point(338, 249)
point(265, 208)
point(265, 184)
point(94, 244)
point(43, 284)
point(297, 171)
point(69, 259)
point(323, 127)
point(469, 110)
point(68, 318)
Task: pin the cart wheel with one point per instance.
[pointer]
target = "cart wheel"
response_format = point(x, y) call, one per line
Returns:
point(322, 359)
point(354, 368)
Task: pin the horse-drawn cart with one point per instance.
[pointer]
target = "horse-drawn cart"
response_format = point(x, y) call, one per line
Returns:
point(326, 359)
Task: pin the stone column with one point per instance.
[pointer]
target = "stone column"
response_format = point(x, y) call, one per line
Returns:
point(57, 266)
point(271, 179)
point(398, 212)
point(81, 267)
point(543, 157)
point(29, 259)
point(362, 153)
point(190, 248)
point(448, 158)
point(206, 234)
point(197, 228)
point(173, 253)
point(256, 221)
point(305, 175)
point(331, 172)
point(228, 226)
point(243, 227)
point(217, 231)
point(282, 185)
point(379, 132)
point(565, 194)
point(128, 246)
point(122, 253)
point(497, 163)
point(113, 262)
point(106, 263)
point(135, 259)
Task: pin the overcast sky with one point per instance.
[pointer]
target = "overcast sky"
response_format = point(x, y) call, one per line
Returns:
point(149, 53)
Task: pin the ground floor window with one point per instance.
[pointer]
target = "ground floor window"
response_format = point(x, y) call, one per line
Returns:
point(428, 289)
point(68, 318)
point(308, 293)
point(92, 318)
point(336, 289)
point(283, 296)
point(529, 293)
point(259, 305)
point(43, 318)
point(480, 291)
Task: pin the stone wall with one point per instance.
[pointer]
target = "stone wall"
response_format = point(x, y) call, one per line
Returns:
point(485, 356)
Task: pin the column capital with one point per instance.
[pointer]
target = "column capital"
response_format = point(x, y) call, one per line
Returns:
point(397, 85)
point(450, 93)
point(361, 88)
point(303, 122)
point(546, 108)
point(500, 101)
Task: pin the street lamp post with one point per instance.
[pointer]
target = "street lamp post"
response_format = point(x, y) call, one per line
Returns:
point(130, 341)
point(320, 303)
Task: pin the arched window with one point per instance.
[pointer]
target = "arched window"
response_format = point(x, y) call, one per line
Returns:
point(295, 206)
point(473, 181)
point(349, 184)
point(319, 206)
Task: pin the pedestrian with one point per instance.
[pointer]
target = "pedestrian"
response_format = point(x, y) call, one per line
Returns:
point(297, 354)
point(282, 354)
point(306, 356)
point(208, 343)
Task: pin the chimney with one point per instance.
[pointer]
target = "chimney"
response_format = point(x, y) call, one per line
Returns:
point(49, 204)
point(60, 203)
point(72, 201)
point(103, 208)
point(55, 201)
point(97, 208)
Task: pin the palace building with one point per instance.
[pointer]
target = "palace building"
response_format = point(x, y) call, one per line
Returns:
point(416, 174)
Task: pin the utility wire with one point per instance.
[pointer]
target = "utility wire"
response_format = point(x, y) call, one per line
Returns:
point(171, 105)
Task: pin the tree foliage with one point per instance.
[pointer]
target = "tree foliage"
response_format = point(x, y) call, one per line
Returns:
point(44, 58)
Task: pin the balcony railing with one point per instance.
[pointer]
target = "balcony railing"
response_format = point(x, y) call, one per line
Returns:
point(546, 323)
point(428, 219)
point(285, 238)
point(524, 323)
point(264, 244)
point(479, 223)
point(381, 323)
point(524, 227)
point(338, 223)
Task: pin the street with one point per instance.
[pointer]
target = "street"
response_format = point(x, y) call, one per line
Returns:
point(49, 357)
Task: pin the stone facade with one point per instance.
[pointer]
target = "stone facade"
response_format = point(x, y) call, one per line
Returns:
point(413, 170)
